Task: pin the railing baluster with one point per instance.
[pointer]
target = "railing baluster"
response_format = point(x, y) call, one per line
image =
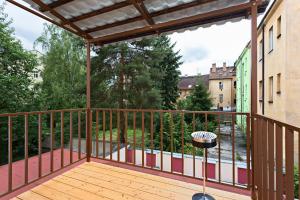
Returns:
point(79, 135)
point(194, 149)
point(248, 142)
point(161, 141)
point(219, 147)
point(71, 137)
point(134, 138)
point(26, 149)
point(233, 148)
point(62, 139)
point(10, 140)
point(110, 135)
point(298, 162)
point(259, 157)
point(206, 150)
point(265, 159)
point(143, 137)
point(151, 138)
point(125, 135)
point(97, 134)
point(40, 144)
point(289, 155)
point(51, 140)
point(279, 155)
point(172, 139)
point(118, 132)
point(103, 133)
point(271, 158)
point(182, 141)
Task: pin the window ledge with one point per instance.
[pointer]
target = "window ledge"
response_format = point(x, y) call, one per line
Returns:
point(279, 36)
point(270, 51)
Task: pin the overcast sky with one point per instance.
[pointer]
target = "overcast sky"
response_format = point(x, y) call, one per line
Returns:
point(199, 48)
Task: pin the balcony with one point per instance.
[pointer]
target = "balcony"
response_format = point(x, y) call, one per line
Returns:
point(149, 146)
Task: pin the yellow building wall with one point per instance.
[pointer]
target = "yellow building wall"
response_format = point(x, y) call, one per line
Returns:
point(228, 93)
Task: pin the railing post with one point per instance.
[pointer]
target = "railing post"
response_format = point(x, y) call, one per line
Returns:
point(88, 103)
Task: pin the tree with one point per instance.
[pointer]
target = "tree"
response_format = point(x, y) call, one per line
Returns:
point(63, 76)
point(169, 65)
point(199, 100)
point(16, 67)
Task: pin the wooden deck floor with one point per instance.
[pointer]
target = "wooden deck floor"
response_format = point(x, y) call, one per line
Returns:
point(98, 181)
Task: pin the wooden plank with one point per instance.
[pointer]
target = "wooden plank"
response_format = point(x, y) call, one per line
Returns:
point(289, 156)
point(279, 154)
point(271, 159)
point(74, 191)
point(52, 193)
point(30, 195)
point(127, 187)
point(265, 159)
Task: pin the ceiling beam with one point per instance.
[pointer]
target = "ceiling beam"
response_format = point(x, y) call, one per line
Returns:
point(154, 14)
point(56, 4)
point(216, 15)
point(139, 5)
point(62, 18)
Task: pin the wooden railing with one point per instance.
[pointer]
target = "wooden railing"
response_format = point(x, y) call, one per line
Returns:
point(34, 145)
point(276, 153)
point(160, 140)
point(50, 150)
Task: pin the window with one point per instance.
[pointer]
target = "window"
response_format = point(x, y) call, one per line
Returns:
point(260, 91)
point(220, 85)
point(234, 84)
point(221, 98)
point(279, 83)
point(35, 74)
point(260, 56)
point(271, 89)
point(271, 42)
point(279, 27)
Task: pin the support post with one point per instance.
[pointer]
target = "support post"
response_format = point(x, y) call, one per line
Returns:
point(253, 87)
point(88, 102)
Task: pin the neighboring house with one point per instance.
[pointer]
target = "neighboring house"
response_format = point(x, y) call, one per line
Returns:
point(222, 84)
point(187, 83)
point(278, 72)
point(243, 85)
point(36, 75)
point(278, 62)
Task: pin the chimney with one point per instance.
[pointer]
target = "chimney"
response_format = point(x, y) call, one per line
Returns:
point(214, 68)
point(224, 66)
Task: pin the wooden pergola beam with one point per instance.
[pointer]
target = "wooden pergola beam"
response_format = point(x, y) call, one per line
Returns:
point(216, 15)
point(56, 4)
point(139, 5)
point(154, 14)
point(62, 18)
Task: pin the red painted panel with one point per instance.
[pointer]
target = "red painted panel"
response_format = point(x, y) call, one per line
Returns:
point(177, 165)
point(130, 155)
point(150, 160)
point(242, 176)
point(211, 170)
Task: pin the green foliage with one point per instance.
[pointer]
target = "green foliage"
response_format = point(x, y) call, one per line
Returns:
point(64, 69)
point(199, 100)
point(16, 66)
point(296, 182)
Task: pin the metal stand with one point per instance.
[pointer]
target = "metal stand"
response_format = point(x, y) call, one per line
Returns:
point(203, 196)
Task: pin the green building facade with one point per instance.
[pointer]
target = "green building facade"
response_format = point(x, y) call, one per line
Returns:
point(243, 85)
